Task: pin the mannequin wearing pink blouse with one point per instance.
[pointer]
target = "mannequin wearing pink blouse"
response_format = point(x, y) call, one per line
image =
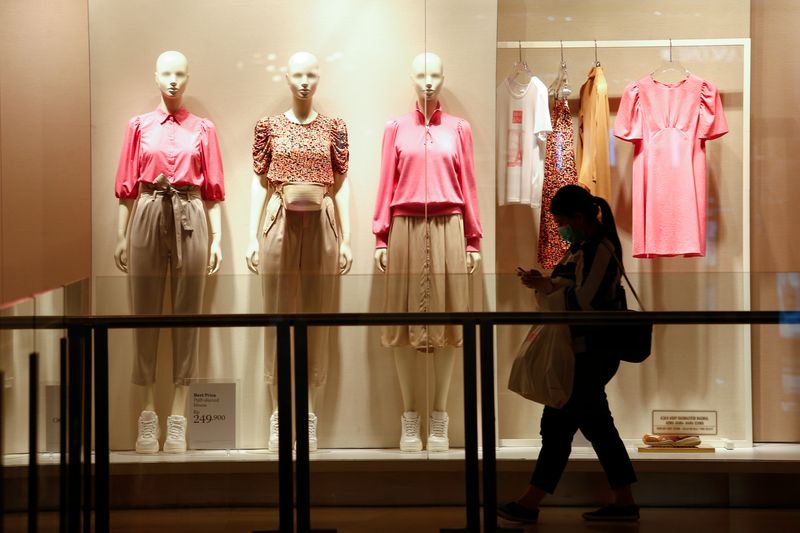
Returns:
point(171, 167)
point(669, 125)
point(427, 238)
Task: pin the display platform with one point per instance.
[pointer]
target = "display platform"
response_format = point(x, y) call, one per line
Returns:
point(764, 475)
point(760, 458)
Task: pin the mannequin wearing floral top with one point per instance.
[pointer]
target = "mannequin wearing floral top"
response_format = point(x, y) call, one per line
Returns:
point(301, 247)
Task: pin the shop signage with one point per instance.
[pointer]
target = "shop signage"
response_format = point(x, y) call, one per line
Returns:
point(212, 416)
point(685, 422)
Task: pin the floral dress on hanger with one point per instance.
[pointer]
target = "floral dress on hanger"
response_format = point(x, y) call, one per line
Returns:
point(559, 170)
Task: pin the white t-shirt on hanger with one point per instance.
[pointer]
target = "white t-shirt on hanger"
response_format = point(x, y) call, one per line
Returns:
point(523, 121)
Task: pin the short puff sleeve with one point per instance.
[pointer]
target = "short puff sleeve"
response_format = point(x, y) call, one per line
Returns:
point(628, 124)
point(128, 167)
point(262, 147)
point(340, 148)
point(213, 189)
point(712, 118)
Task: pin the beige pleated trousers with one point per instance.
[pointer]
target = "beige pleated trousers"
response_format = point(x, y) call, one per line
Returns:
point(168, 231)
point(299, 267)
point(426, 272)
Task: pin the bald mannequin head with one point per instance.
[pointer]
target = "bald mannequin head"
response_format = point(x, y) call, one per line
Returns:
point(172, 74)
point(303, 75)
point(427, 73)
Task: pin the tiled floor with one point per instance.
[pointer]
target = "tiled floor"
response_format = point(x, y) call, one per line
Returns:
point(430, 519)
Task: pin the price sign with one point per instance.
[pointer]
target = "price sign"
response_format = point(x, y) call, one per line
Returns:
point(685, 422)
point(212, 416)
point(52, 412)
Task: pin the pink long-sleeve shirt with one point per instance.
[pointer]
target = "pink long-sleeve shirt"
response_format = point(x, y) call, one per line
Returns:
point(427, 170)
point(182, 146)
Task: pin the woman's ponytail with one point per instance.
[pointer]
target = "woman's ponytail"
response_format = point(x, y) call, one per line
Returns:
point(609, 226)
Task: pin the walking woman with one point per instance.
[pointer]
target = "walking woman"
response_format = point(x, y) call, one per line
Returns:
point(589, 277)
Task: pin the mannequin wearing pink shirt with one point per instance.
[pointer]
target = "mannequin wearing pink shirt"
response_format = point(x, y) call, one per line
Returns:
point(417, 185)
point(173, 155)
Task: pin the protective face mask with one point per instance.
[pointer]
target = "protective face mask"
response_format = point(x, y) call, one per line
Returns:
point(570, 235)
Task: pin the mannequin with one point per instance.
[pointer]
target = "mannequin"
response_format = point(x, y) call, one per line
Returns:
point(300, 191)
point(175, 204)
point(430, 141)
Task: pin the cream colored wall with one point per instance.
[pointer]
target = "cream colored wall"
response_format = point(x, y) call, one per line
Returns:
point(693, 367)
point(44, 146)
point(776, 190)
point(236, 51)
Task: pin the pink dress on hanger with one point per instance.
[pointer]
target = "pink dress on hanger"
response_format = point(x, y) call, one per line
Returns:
point(669, 125)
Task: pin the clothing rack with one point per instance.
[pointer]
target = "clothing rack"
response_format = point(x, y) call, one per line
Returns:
point(745, 44)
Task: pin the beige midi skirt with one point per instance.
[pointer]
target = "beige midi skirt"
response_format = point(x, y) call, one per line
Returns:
point(426, 272)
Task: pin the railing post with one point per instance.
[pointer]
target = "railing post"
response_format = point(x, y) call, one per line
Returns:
point(301, 426)
point(488, 432)
point(101, 429)
point(62, 436)
point(470, 433)
point(283, 342)
point(302, 466)
point(33, 442)
point(87, 355)
point(74, 421)
point(2, 455)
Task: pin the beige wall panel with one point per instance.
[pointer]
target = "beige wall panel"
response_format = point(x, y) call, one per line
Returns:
point(775, 195)
point(44, 146)
point(692, 367)
point(236, 51)
point(622, 19)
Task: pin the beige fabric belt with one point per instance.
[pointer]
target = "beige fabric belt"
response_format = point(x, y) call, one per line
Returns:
point(180, 198)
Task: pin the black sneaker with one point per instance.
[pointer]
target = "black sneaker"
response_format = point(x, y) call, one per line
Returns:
point(614, 513)
point(515, 512)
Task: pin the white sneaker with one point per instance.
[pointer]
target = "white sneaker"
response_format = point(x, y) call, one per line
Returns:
point(147, 440)
point(312, 432)
point(273, 432)
point(409, 432)
point(176, 434)
point(438, 441)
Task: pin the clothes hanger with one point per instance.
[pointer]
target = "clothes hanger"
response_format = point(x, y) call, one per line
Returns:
point(670, 72)
point(560, 88)
point(520, 68)
point(596, 62)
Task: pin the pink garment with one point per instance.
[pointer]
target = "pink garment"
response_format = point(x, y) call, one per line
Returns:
point(669, 125)
point(427, 170)
point(182, 146)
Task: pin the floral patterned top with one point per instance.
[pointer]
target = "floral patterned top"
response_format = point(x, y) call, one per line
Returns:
point(286, 151)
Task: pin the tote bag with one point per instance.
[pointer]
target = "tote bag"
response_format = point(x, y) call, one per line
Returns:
point(544, 368)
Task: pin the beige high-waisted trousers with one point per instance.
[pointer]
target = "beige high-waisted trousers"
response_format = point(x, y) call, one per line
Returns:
point(426, 275)
point(168, 231)
point(299, 267)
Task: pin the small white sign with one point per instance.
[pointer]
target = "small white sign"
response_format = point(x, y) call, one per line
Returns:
point(52, 412)
point(685, 422)
point(212, 416)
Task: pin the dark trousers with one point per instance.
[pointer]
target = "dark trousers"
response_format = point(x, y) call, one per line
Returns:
point(587, 410)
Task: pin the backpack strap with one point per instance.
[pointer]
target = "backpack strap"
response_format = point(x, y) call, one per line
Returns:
point(624, 275)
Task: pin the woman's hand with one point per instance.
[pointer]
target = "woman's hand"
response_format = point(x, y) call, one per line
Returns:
point(533, 279)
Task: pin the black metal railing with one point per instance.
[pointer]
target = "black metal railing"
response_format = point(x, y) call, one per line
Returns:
point(86, 347)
